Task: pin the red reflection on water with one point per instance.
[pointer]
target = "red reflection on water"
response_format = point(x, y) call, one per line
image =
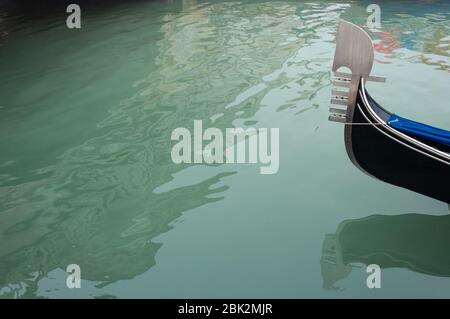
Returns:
point(388, 43)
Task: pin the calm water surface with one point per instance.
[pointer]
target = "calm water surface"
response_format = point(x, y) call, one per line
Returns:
point(86, 175)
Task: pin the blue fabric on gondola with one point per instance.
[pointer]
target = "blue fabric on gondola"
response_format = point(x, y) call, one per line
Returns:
point(419, 129)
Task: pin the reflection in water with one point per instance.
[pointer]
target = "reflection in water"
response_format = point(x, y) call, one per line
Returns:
point(412, 241)
point(90, 199)
point(387, 44)
point(417, 33)
point(108, 245)
point(424, 33)
point(95, 205)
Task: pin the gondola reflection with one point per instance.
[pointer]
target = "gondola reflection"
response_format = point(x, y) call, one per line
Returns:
point(416, 242)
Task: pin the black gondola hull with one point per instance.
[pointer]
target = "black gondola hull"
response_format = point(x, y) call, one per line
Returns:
point(392, 159)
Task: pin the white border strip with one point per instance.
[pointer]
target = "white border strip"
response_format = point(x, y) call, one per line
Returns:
point(406, 137)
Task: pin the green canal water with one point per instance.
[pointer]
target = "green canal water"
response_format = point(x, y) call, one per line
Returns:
point(86, 175)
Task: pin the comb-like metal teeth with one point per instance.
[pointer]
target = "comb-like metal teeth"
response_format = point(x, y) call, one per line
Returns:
point(343, 75)
point(337, 111)
point(345, 84)
point(337, 118)
point(340, 93)
point(376, 79)
point(341, 79)
point(337, 115)
point(339, 101)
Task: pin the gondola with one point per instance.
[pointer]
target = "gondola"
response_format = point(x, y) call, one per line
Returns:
point(384, 145)
point(417, 242)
